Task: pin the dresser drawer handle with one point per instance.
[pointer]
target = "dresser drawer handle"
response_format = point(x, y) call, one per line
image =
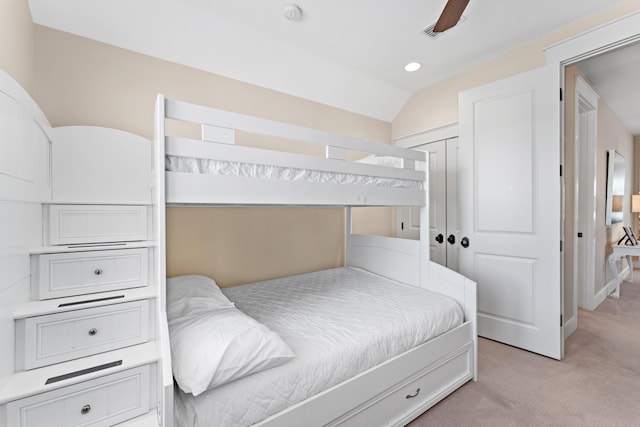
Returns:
point(93, 331)
point(97, 271)
point(85, 409)
point(411, 396)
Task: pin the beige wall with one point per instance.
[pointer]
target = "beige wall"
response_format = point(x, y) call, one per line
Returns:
point(241, 245)
point(437, 105)
point(83, 82)
point(17, 42)
point(612, 135)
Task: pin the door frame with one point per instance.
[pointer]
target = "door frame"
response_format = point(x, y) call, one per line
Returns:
point(427, 136)
point(612, 35)
point(584, 200)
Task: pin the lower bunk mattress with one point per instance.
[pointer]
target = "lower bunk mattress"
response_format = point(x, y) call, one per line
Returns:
point(338, 322)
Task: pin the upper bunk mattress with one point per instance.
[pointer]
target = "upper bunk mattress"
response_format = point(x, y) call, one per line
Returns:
point(252, 170)
point(338, 322)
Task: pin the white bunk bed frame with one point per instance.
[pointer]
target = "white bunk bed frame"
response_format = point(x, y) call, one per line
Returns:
point(396, 391)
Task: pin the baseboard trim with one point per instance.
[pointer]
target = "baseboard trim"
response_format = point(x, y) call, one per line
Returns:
point(570, 326)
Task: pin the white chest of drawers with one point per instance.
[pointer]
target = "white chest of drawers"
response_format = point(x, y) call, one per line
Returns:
point(85, 344)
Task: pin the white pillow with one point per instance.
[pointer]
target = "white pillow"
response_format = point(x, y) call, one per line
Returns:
point(209, 349)
point(193, 294)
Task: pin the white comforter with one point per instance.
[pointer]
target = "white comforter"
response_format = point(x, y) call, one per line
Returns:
point(338, 322)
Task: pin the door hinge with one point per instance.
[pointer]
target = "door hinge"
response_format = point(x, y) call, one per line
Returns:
point(560, 245)
point(402, 226)
point(560, 170)
point(560, 94)
point(561, 321)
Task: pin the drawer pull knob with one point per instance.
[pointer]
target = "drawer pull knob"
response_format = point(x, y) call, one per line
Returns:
point(85, 409)
point(93, 331)
point(98, 271)
point(411, 396)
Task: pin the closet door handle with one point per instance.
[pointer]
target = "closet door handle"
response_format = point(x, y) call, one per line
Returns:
point(464, 242)
point(440, 238)
point(451, 239)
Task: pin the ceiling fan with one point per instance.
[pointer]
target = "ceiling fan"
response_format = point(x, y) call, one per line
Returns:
point(450, 15)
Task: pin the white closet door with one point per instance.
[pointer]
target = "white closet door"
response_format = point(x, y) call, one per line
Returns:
point(443, 222)
point(451, 197)
point(510, 193)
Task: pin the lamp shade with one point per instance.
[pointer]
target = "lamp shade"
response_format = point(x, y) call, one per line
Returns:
point(617, 203)
point(635, 203)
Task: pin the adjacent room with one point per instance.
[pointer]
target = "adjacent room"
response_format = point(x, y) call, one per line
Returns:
point(319, 213)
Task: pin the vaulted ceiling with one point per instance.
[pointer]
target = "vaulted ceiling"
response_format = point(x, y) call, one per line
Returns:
point(347, 54)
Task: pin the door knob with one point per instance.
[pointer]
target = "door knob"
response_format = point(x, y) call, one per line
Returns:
point(451, 239)
point(464, 242)
point(440, 238)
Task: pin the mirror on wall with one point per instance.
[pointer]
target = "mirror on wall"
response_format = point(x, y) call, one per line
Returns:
point(615, 187)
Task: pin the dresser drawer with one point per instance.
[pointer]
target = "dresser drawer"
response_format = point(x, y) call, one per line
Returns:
point(73, 224)
point(76, 273)
point(58, 337)
point(103, 401)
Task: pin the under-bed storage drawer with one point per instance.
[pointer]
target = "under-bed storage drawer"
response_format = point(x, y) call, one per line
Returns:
point(74, 224)
point(103, 401)
point(58, 337)
point(403, 403)
point(76, 273)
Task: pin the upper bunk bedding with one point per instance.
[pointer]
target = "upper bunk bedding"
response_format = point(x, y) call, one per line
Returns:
point(338, 323)
point(193, 165)
point(215, 169)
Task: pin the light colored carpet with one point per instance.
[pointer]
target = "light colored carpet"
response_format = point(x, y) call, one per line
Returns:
point(597, 384)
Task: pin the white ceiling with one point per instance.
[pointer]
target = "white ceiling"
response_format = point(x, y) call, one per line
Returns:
point(347, 54)
point(615, 76)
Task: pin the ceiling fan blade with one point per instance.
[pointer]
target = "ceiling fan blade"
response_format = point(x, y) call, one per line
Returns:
point(450, 15)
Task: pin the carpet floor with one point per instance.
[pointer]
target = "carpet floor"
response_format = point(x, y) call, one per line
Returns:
point(597, 383)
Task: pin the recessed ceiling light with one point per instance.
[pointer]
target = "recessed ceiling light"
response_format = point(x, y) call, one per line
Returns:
point(412, 66)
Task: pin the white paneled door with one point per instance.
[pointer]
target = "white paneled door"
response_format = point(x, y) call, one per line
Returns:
point(443, 220)
point(409, 217)
point(510, 208)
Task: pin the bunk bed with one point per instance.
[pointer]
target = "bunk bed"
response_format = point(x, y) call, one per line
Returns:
point(214, 170)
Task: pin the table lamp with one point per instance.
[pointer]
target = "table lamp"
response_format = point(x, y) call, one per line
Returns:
point(635, 205)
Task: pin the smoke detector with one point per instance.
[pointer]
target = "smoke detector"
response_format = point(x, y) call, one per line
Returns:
point(292, 12)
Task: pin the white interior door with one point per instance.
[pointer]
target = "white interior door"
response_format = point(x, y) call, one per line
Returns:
point(443, 222)
point(510, 212)
point(437, 200)
point(453, 227)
